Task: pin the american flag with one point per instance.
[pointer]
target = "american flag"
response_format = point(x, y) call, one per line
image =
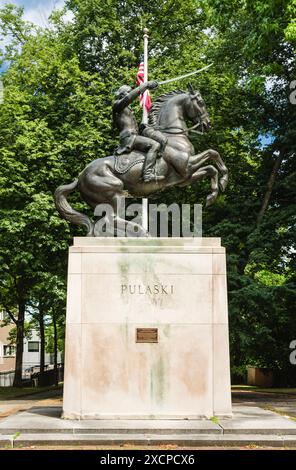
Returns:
point(145, 99)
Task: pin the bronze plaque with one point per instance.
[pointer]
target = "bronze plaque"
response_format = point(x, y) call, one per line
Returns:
point(146, 335)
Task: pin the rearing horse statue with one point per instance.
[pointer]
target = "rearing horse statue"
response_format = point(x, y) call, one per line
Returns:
point(106, 180)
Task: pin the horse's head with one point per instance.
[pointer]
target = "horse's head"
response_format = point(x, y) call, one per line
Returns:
point(196, 110)
point(171, 110)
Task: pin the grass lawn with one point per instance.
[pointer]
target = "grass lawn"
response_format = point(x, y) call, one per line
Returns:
point(252, 388)
point(10, 393)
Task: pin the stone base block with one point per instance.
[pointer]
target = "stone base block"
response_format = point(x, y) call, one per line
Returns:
point(146, 329)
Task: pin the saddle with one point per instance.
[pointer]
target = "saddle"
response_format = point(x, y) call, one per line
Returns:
point(125, 161)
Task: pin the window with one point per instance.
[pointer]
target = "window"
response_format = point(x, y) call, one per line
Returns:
point(8, 350)
point(33, 346)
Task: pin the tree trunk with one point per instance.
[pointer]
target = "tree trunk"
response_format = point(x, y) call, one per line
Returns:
point(55, 340)
point(17, 382)
point(270, 186)
point(42, 347)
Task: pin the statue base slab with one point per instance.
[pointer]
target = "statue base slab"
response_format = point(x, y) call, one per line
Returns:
point(146, 329)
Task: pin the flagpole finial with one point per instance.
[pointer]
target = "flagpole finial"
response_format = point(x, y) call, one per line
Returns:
point(145, 31)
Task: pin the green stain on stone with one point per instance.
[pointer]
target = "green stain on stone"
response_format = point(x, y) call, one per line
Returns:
point(166, 330)
point(157, 381)
point(123, 267)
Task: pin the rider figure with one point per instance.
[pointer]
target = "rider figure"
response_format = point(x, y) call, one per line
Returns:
point(130, 139)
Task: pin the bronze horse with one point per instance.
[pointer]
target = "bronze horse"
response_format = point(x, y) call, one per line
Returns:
point(105, 180)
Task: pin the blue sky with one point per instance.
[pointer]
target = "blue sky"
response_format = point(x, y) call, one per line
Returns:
point(36, 11)
point(266, 140)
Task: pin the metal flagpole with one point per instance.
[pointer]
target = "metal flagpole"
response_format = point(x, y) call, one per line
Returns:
point(145, 120)
point(145, 114)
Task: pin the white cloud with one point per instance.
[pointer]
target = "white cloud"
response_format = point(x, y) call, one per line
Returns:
point(38, 11)
point(41, 10)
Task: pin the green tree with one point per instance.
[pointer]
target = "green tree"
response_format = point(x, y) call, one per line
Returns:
point(257, 41)
point(56, 118)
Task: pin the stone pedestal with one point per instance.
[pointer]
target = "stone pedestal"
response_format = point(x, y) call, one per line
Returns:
point(123, 291)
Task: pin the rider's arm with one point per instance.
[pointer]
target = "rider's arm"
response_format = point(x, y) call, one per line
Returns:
point(130, 97)
point(133, 94)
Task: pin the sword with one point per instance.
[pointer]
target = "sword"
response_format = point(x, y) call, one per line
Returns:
point(185, 76)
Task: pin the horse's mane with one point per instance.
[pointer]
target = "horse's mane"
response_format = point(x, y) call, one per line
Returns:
point(157, 105)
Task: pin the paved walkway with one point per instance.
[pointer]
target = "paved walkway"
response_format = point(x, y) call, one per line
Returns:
point(284, 404)
point(48, 398)
point(259, 420)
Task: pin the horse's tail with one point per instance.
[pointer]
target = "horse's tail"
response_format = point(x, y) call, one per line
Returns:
point(67, 212)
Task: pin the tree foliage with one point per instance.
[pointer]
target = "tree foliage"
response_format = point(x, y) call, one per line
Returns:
point(56, 118)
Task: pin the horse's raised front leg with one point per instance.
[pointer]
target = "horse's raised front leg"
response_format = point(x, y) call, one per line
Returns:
point(210, 171)
point(196, 161)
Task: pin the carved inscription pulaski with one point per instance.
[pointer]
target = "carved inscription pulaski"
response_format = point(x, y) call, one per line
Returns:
point(149, 289)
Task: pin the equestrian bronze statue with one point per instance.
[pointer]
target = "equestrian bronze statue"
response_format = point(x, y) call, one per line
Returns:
point(130, 139)
point(157, 157)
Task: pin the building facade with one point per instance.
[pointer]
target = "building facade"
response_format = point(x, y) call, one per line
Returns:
point(7, 352)
point(31, 354)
